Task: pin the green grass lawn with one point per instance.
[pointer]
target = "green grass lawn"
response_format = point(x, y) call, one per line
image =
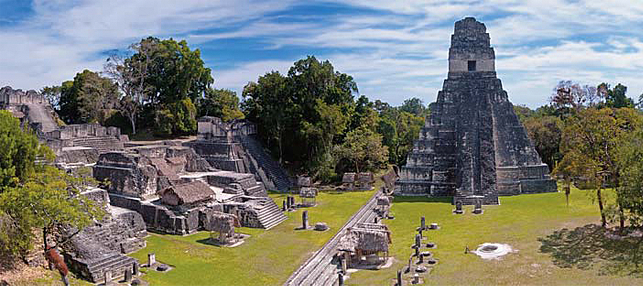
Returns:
point(266, 258)
point(519, 221)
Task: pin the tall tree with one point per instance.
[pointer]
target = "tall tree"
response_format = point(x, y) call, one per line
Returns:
point(131, 74)
point(589, 144)
point(363, 148)
point(545, 132)
point(88, 98)
point(35, 196)
point(415, 106)
point(222, 103)
point(615, 97)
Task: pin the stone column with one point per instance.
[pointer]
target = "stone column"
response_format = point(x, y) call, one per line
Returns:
point(422, 223)
point(340, 279)
point(135, 269)
point(283, 208)
point(304, 220)
point(128, 275)
point(108, 276)
point(151, 259)
point(399, 278)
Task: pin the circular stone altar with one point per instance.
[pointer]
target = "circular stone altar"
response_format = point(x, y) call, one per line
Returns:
point(493, 250)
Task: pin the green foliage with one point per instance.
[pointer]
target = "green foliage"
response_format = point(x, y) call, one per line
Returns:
point(416, 107)
point(308, 110)
point(89, 98)
point(399, 130)
point(590, 144)
point(176, 72)
point(545, 133)
point(178, 118)
point(616, 97)
point(18, 153)
point(50, 199)
point(630, 160)
point(363, 148)
point(222, 103)
point(161, 81)
point(523, 112)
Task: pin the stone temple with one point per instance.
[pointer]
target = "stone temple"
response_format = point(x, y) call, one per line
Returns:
point(473, 147)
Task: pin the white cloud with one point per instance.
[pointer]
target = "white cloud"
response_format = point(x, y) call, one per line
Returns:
point(396, 52)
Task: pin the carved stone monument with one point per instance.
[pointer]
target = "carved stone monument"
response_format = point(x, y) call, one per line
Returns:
point(458, 208)
point(473, 144)
point(304, 220)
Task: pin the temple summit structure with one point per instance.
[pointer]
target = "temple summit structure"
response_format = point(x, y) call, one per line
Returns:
point(473, 147)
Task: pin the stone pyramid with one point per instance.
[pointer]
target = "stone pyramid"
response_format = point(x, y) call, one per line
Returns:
point(473, 147)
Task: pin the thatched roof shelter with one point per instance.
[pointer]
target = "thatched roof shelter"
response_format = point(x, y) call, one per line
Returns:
point(308, 192)
point(187, 193)
point(349, 178)
point(366, 238)
point(221, 222)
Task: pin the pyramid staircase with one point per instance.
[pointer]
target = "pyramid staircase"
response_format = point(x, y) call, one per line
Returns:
point(268, 170)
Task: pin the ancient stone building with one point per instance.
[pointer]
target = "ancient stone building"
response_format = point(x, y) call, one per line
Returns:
point(232, 146)
point(473, 146)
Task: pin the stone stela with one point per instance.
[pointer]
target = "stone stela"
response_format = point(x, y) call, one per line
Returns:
point(473, 145)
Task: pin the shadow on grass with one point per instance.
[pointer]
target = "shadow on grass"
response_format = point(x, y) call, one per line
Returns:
point(208, 241)
point(422, 199)
point(592, 246)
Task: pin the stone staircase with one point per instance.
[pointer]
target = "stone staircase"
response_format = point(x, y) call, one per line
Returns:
point(270, 214)
point(102, 144)
point(261, 164)
point(116, 263)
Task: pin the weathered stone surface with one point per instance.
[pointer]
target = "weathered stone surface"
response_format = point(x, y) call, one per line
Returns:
point(473, 145)
point(233, 147)
point(97, 250)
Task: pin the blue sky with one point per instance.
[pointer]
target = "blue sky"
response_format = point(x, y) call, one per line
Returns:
point(394, 49)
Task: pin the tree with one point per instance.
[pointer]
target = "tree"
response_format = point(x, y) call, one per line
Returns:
point(589, 144)
point(630, 160)
point(364, 114)
point(415, 106)
point(130, 75)
point(52, 94)
point(309, 111)
point(49, 201)
point(269, 104)
point(615, 97)
point(222, 103)
point(88, 98)
point(364, 149)
point(571, 97)
point(34, 195)
point(157, 79)
point(545, 132)
point(18, 153)
point(523, 112)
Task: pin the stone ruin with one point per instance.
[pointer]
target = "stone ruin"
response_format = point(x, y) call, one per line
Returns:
point(165, 187)
point(75, 145)
point(233, 146)
point(358, 181)
point(174, 189)
point(99, 250)
point(473, 146)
